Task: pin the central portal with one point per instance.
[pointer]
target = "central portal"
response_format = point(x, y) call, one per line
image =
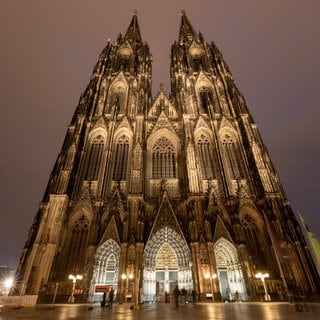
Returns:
point(167, 264)
point(166, 271)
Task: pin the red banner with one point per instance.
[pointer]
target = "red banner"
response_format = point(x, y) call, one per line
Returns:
point(101, 288)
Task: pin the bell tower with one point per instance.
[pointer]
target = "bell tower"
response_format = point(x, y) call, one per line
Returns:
point(240, 220)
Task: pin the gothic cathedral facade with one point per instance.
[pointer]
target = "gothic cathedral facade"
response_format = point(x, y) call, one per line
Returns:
point(152, 192)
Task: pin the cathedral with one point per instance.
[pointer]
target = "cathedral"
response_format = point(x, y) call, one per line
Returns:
point(153, 192)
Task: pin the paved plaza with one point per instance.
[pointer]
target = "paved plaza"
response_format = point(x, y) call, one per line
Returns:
point(161, 311)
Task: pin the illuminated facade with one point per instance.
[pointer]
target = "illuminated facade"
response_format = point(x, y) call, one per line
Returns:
point(149, 192)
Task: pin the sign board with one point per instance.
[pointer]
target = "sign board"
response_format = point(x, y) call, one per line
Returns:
point(101, 288)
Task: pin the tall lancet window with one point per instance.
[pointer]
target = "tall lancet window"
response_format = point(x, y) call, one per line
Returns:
point(232, 157)
point(206, 99)
point(252, 238)
point(205, 157)
point(163, 159)
point(121, 159)
point(95, 158)
point(78, 244)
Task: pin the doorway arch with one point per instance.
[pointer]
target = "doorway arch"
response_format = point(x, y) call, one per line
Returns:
point(229, 270)
point(105, 269)
point(167, 260)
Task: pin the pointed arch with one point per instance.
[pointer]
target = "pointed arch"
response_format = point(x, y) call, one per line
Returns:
point(164, 159)
point(197, 55)
point(231, 153)
point(124, 57)
point(117, 98)
point(206, 157)
point(252, 226)
point(176, 242)
point(121, 158)
point(94, 158)
point(106, 264)
point(78, 234)
point(205, 99)
point(229, 270)
point(206, 94)
point(122, 150)
point(167, 260)
point(94, 155)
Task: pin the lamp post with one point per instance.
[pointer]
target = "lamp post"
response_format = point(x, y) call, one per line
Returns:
point(211, 277)
point(74, 279)
point(262, 276)
point(8, 283)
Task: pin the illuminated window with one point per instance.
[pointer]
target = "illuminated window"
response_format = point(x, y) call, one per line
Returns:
point(163, 159)
point(232, 157)
point(205, 157)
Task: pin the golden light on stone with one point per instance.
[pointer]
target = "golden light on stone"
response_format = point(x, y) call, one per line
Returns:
point(166, 257)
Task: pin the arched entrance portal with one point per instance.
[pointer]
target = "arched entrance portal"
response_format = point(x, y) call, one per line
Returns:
point(229, 270)
point(105, 269)
point(166, 263)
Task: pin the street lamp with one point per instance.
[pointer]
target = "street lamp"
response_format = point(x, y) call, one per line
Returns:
point(7, 284)
point(211, 277)
point(74, 279)
point(262, 276)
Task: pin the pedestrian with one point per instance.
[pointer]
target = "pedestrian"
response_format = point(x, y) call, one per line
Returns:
point(237, 296)
point(194, 296)
point(103, 301)
point(183, 297)
point(111, 296)
point(176, 295)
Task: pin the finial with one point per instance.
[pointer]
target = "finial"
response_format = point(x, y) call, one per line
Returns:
point(161, 87)
point(183, 13)
point(135, 12)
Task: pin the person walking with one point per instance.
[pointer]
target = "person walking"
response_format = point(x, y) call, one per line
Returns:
point(176, 295)
point(111, 296)
point(183, 298)
point(103, 301)
point(194, 296)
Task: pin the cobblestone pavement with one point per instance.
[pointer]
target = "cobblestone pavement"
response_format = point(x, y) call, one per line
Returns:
point(161, 311)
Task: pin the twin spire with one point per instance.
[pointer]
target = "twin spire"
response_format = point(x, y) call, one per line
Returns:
point(186, 31)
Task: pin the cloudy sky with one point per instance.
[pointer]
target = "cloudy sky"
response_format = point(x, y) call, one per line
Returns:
point(48, 50)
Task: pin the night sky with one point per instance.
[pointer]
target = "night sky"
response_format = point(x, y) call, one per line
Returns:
point(48, 50)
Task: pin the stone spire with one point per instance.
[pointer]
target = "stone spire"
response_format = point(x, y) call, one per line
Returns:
point(186, 32)
point(133, 32)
